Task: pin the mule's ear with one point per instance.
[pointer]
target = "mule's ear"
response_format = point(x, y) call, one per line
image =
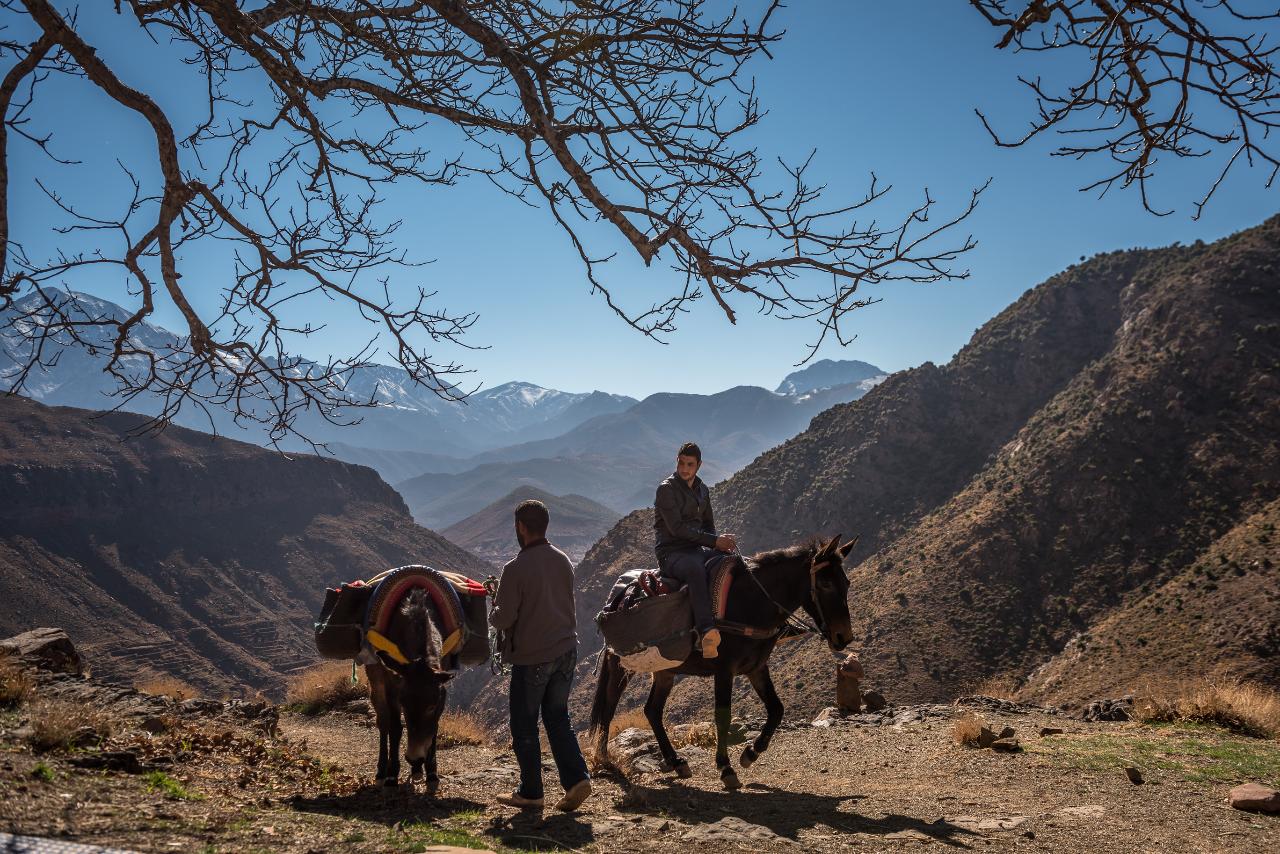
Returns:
point(830, 547)
point(848, 547)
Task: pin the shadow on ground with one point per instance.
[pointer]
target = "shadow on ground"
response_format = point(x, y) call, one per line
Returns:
point(785, 813)
point(385, 805)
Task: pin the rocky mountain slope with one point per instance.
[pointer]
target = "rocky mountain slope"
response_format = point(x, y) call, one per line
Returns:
point(576, 524)
point(185, 554)
point(1064, 475)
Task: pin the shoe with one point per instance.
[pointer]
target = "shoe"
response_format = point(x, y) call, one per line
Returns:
point(711, 643)
point(573, 798)
point(515, 799)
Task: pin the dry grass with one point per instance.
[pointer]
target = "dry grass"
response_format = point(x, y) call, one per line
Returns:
point(696, 735)
point(997, 687)
point(58, 724)
point(323, 687)
point(1245, 707)
point(15, 682)
point(165, 685)
point(458, 729)
point(626, 720)
point(967, 730)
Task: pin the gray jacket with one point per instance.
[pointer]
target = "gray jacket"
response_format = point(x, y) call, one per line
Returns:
point(682, 517)
point(534, 607)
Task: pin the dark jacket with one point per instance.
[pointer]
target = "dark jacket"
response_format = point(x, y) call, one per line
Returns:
point(534, 607)
point(682, 517)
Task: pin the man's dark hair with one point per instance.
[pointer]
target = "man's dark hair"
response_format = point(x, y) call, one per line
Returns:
point(533, 514)
point(689, 449)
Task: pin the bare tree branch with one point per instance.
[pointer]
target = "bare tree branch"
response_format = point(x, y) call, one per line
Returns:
point(1189, 78)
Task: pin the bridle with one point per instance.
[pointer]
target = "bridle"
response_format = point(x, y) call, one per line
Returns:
point(798, 625)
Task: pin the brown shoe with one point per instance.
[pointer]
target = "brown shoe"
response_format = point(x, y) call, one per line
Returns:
point(711, 643)
point(515, 799)
point(573, 798)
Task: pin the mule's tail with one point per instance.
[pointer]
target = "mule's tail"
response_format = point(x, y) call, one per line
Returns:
point(611, 681)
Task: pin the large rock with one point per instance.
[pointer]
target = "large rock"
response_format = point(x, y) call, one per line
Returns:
point(45, 648)
point(1254, 797)
point(849, 675)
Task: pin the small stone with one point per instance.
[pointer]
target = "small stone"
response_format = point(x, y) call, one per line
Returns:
point(1006, 745)
point(986, 737)
point(1007, 732)
point(1046, 731)
point(829, 714)
point(1134, 775)
point(1254, 797)
point(874, 701)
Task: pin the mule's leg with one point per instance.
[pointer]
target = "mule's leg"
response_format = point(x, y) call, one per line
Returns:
point(610, 684)
point(724, 715)
point(663, 681)
point(433, 776)
point(762, 682)
point(390, 728)
point(378, 696)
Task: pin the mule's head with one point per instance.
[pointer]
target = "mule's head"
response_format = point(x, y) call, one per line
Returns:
point(829, 603)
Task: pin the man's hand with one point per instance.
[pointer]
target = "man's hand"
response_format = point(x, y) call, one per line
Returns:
point(726, 543)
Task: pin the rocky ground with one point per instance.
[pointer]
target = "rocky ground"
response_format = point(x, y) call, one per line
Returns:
point(155, 774)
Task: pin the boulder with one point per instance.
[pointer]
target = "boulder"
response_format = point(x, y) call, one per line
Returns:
point(46, 649)
point(1006, 745)
point(1046, 731)
point(849, 675)
point(1109, 710)
point(1254, 797)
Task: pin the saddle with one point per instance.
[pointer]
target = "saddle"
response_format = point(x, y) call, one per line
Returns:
point(636, 585)
point(648, 619)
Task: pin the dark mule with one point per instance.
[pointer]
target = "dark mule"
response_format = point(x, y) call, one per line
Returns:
point(811, 577)
point(408, 678)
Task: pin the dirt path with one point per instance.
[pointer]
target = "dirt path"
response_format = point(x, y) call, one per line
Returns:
point(883, 784)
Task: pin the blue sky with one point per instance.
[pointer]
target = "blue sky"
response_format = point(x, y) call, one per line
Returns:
point(889, 87)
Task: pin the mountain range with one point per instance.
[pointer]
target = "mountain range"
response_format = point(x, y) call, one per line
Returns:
point(450, 459)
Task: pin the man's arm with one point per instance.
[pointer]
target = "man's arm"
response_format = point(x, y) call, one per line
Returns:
point(506, 607)
point(667, 508)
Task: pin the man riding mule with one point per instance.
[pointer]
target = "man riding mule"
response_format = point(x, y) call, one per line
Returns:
point(684, 533)
point(766, 591)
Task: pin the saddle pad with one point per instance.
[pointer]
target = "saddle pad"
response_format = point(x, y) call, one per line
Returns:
point(394, 584)
point(721, 579)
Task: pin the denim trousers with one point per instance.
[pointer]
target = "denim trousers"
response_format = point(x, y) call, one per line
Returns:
point(545, 688)
point(690, 566)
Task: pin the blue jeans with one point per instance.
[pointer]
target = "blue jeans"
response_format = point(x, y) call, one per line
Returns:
point(690, 566)
point(545, 688)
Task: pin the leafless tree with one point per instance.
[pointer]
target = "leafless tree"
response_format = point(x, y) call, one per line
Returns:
point(1187, 78)
point(620, 118)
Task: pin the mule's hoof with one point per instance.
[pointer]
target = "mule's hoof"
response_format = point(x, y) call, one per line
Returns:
point(749, 756)
point(729, 778)
point(433, 788)
point(391, 782)
point(683, 771)
point(415, 776)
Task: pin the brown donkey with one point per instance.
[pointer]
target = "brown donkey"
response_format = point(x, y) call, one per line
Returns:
point(405, 676)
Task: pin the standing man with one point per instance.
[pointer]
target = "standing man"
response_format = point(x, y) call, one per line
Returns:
point(534, 608)
point(684, 536)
